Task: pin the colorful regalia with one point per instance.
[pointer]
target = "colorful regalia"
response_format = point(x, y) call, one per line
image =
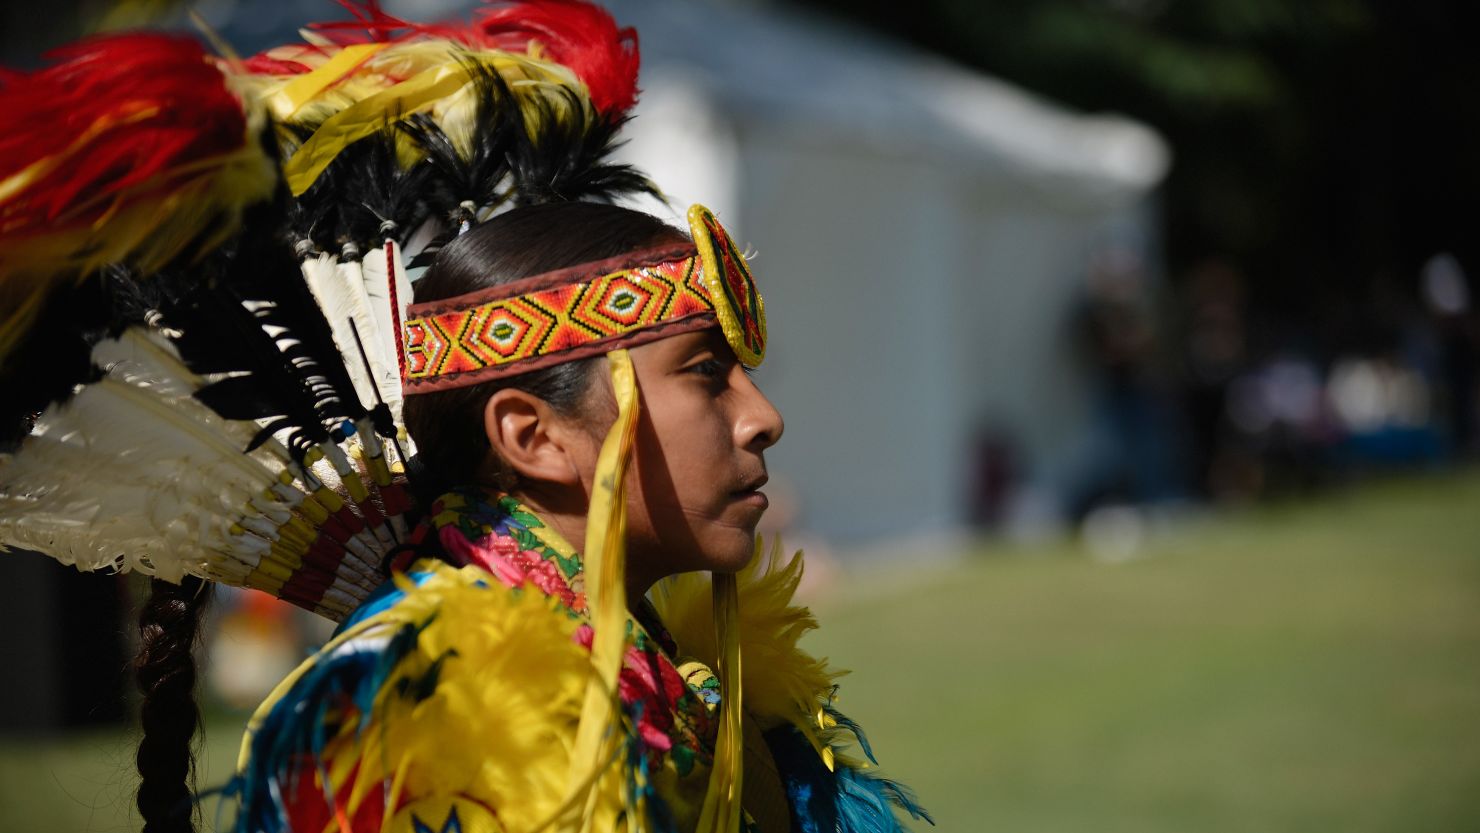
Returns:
point(208, 325)
point(488, 643)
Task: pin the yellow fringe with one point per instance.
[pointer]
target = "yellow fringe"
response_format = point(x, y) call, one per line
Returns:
point(606, 555)
point(721, 813)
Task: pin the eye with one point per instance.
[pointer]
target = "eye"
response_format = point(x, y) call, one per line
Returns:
point(708, 368)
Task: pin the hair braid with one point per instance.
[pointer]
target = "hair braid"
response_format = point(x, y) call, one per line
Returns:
point(169, 626)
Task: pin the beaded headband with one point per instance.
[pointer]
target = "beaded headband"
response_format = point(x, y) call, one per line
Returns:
point(588, 310)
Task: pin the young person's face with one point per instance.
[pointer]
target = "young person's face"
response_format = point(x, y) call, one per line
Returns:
point(693, 495)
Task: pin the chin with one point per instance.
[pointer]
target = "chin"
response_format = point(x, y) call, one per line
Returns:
point(730, 551)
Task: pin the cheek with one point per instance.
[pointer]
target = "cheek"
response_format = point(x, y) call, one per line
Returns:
point(681, 513)
point(688, 449)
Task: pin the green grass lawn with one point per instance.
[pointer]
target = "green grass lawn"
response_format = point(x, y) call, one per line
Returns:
point(1310, 667)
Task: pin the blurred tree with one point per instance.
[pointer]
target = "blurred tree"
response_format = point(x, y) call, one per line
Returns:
point(1326, 147)
point(29, 30)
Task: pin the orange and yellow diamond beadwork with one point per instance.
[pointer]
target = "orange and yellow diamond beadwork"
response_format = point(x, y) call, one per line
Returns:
point(588, 310)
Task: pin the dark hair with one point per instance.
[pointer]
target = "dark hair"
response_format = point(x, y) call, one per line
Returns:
point(169, 627)
point(448, 425)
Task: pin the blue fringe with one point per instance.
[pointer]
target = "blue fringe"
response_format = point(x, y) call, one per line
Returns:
point(382, 598)
point(640, 784)
point(845, 801)
point(300, 724)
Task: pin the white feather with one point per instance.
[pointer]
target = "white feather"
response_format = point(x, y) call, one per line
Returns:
point(379, 272)
point(342, 299)
point(352, 276)
point(135, 473)
point(65, 497)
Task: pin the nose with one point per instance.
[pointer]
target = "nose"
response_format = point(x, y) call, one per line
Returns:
point(758, 425)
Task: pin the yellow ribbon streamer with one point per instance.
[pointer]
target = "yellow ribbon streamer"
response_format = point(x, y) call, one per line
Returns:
point(605, 562)
point(721, 811)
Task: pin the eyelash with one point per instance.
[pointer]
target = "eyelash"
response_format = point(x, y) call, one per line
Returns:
point(709, 368)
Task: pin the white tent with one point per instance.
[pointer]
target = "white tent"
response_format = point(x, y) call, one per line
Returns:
point(922, 234)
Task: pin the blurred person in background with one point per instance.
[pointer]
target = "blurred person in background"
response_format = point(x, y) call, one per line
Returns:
point(1447, 300)
point(1134, 455)
point(1214, 350)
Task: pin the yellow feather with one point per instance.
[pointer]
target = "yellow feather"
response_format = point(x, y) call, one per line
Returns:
point(498, 728)
point(351, 92)
point(303, 88)
point(782, 683)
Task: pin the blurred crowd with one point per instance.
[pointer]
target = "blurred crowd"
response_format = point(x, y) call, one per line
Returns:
point(1200, 394)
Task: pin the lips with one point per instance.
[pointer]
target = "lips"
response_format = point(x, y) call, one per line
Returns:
point(750, 494)
point(753, 485)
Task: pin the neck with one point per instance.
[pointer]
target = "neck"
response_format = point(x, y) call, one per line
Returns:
point(568, 518)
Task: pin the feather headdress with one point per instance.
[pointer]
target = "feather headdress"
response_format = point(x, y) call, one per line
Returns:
point(130, 149)
point(127, 153)
point(203, 280)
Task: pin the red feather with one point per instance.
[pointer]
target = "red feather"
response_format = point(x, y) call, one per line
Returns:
point(123, 149)
point(264, 65)
point(369, 15)
point(380, 27)
point(113, 112)
point(577, 34)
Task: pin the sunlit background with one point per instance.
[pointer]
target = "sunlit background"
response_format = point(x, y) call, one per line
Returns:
point(1130, 359)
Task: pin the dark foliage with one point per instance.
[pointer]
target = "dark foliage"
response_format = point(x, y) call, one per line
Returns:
point(1324, 149)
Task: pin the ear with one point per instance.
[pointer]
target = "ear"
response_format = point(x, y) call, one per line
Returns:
point(528, 436)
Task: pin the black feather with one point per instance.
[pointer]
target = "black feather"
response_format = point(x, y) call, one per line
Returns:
point(483, 178)
point(567, 161)
point(362, 190)
point(255, 319)
point(219, 335)
point(514, 158)
point(55, 354)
